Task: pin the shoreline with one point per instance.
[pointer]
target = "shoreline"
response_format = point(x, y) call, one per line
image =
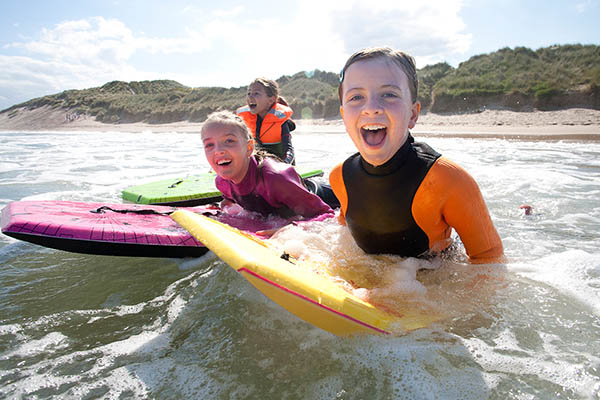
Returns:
point(573, 124)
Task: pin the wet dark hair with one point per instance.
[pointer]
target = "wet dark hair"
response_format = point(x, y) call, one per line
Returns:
point(271, 89)
point(403, 60)
point(261, 154)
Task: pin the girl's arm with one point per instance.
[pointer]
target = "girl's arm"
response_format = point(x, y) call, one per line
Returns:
point(286, 141)
point(284, 188)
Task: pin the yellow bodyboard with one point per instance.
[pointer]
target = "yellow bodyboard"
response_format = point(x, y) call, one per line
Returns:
point(297, 288)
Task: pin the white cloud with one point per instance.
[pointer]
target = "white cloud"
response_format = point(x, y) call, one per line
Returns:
point(583, 6)
point(229, 13)
point(83, 53)
point(109, 40)
point(429, 31)
point(322, 35)
point(25, 76)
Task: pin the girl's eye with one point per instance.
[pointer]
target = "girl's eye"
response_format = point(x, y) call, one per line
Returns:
point(390, 94)
point(355, 97)
point(208, 145)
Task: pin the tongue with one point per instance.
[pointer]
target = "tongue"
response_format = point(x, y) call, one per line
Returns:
point(374, 138)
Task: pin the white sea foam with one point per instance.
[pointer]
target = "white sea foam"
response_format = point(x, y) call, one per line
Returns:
point(48, 344)
point(574, 272)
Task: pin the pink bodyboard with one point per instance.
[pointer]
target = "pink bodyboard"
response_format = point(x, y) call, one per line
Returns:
point(111, 229)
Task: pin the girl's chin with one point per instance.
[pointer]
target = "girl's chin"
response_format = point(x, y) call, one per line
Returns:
point(374, 147)
point(223, 172)
point(230, 174)
point(380, 158)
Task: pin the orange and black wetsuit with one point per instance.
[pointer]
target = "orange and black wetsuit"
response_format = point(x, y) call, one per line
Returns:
point(409, 205)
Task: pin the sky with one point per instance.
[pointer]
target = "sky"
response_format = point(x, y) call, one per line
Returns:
point(47, 47)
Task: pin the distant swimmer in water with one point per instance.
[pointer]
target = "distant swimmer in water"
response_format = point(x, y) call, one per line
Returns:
point(399, 196)
point(527, 209)
point(253, 180)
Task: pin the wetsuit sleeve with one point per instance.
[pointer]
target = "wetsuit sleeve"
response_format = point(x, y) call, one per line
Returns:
point(285, 188)
point(336, 180)
point(450, 198)
point(286, 142)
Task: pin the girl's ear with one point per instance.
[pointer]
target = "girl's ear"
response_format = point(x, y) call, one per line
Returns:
point(342, 111)
point(415, 109)
point(250, 147)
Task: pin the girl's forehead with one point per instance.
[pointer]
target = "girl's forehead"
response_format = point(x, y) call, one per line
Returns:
point(257, 87)
point(379, 69)
point(221, 129)
point(378, 62)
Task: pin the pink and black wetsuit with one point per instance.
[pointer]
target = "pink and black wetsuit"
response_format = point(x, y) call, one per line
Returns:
point(273, 187)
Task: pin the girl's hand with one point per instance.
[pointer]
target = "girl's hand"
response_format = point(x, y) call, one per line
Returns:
point(268, 232)
point(226, 203)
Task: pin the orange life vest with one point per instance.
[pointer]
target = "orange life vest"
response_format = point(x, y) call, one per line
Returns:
point(270, 129)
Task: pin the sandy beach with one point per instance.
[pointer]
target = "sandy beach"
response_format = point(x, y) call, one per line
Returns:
point(575, 124)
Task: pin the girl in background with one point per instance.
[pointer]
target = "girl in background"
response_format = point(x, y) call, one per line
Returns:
point(268, 117)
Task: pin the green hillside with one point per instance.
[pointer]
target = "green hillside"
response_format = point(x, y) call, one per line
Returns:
point(549, 78)
point(517, 79)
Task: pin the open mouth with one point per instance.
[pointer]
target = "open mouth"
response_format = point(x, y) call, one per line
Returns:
point(252, 105)
point(373, 135)
point(223, 162)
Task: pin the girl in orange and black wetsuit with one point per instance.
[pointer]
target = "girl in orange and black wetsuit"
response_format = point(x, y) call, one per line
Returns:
point(398, 196)
point(269, 118)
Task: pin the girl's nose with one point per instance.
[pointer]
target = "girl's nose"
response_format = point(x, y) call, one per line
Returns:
point(219, 149)
point(372, 105)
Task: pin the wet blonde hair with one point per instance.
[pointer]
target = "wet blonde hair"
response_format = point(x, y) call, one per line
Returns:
point(227, 118)
point(403, 60)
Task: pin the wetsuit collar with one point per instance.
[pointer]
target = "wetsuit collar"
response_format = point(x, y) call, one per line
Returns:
point(393, 163)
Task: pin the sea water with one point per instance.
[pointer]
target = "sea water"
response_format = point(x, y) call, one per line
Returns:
point(83, 326)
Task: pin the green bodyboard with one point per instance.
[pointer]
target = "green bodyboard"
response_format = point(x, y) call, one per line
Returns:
point(186, 192)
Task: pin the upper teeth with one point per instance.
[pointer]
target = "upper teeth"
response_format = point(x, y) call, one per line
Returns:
point(221, 162)
point(374, 127)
